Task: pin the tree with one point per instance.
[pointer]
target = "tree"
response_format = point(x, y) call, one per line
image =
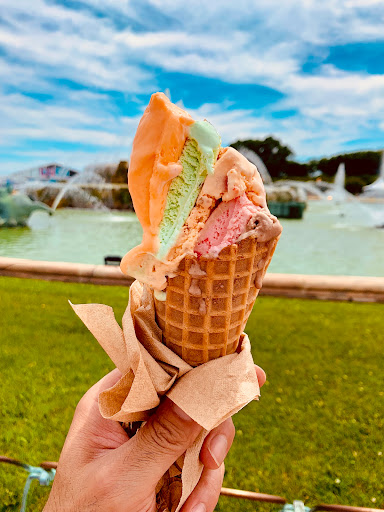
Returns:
point(361, 163)
point(354, 184)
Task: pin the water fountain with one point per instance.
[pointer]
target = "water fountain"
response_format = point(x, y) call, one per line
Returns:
point(309, 187)
point(342, 204)
point(80, 191)
point(79, 187)
point(348, 205)
point(336, 191)
point(339, 181)
point(376, 189)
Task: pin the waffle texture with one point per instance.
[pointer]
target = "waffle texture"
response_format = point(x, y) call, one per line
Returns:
point(209, 301)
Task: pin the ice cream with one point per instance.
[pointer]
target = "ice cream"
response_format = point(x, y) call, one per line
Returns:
point(178, 176)
point(208, 234)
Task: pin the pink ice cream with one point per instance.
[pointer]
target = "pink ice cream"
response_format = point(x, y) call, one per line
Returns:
point(225, 225)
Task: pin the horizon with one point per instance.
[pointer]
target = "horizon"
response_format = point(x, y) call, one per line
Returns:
point(116, 162)
point(77, 76)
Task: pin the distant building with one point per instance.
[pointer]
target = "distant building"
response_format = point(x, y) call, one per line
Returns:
point(49, 173)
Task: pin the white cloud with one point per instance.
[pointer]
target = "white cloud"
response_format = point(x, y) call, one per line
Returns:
point(306, 135)
point(265, 42)
point(72, 120)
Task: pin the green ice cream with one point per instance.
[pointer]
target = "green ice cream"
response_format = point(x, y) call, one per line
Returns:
point(198, 158)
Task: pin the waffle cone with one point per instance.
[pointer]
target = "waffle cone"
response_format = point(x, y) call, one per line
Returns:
point(209, 301)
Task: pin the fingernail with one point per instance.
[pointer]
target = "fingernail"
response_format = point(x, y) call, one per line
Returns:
point(218, 448)
point(199, 508)
point(183, 415)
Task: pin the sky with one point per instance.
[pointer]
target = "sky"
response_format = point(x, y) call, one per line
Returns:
point(76, 75)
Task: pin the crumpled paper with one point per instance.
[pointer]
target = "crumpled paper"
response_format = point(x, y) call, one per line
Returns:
point(209, 393)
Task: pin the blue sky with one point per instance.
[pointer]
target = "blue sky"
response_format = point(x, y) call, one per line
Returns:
point(76, 75)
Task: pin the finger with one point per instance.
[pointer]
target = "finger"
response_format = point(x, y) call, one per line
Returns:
point(206, 494)
point(89, 428)
point(217, 444)
point(261, 377)
point(160, 442)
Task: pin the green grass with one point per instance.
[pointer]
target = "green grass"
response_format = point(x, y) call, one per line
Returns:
point(316, 434)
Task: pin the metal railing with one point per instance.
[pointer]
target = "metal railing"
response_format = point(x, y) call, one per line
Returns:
point(296, 506)
point(45, 474)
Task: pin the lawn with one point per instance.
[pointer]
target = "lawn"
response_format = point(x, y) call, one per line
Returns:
point(316, 434)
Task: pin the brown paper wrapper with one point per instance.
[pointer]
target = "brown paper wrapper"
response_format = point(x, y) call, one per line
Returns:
point(209, 393)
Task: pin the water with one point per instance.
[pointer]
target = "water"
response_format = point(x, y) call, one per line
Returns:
point(78, 236)
point(376, 189)
point(339, 180)
point(332, 239)
point(82, 198)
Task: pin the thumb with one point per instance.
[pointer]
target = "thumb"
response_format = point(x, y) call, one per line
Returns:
point(161, 441)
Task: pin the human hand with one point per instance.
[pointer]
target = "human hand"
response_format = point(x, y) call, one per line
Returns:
point(100, 468)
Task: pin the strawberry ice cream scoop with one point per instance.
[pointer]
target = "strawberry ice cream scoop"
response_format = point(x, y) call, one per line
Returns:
point(225, 225)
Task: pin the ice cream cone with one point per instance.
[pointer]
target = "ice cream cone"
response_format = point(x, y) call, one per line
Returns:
point(208, 302)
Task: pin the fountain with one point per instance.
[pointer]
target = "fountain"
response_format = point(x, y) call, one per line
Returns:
point(333, 238)
point(376, 189)
point(80, 196)
point(82, 190)
point(336, 191)
point(339, 181)
point(348, 205)
point(97, 187)
point(309, 187)
point(284, 193)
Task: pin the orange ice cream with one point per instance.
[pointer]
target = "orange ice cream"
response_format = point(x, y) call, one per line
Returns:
point(156, 150)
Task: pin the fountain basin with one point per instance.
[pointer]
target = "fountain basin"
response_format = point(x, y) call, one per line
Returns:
point(286, 201)
point(288, 210)
point(331, 239)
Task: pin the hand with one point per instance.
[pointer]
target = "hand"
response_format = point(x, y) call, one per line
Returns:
point(101, 469)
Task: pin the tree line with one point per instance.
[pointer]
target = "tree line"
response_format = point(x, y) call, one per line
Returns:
point(361, 168)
